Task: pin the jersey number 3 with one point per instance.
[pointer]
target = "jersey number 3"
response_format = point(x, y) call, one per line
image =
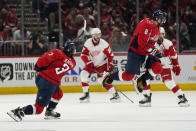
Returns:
point(61, 70)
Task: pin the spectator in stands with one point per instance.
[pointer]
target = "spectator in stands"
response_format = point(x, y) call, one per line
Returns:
point(87, 15)
point(18, 45)
point(184, 35)
point(105, 30)
point(5, 38)
point(117, 41)
point(105, 16)
point(83, 35)
point(3, 4)
point(40, 6)
point(6, 34)
point(192, 26)
point(36, 46)
point(17, 35)
point(52, 12)
point(7, 17)
point(71, 25)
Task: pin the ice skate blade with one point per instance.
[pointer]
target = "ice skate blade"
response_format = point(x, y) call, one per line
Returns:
point(51, 118)
point(145, 105)
point(85, 101)
point(11, 114)
point(115, 101)
point(184, 105)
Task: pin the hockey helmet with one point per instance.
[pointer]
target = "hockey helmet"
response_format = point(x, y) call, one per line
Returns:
point(69, 48)
point(95, 31)
point(158, 14)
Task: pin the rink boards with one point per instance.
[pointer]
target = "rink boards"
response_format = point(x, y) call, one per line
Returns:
point(18, 77)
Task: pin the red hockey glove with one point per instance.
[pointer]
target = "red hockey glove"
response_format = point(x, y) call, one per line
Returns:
point(90, 67)
point(110, 67)
point(176, 69)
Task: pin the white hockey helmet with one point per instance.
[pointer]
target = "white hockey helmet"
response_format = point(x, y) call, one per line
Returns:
point(95, 31)
point(162, 31)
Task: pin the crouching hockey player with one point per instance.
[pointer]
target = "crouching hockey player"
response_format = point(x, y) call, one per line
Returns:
point(97, 57)
point(169, 61)
point(51, 67)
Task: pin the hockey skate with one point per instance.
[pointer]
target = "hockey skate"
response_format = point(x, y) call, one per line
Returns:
point(16, 114)
point(183, 102)
point(85, 98)
point(52, 115)
point(115, 98)
point(146, 101)
point(140, 84)
point(106, 79)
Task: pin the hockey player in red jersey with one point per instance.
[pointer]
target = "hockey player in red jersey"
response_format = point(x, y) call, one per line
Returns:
point(169, 61)
point(141, 45)
point(97, 57)
point(51, 67)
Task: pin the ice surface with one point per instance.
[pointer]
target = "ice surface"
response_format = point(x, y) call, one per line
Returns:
point(101, 115)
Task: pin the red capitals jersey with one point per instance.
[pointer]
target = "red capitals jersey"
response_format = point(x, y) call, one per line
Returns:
point(57, 64)
point(144, 37)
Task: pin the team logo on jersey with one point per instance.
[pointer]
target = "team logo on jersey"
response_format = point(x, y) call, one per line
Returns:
point(95, 53)
point(6, 71)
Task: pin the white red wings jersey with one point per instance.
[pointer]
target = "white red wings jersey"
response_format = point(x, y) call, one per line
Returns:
point(99, 54)
point(169, 53)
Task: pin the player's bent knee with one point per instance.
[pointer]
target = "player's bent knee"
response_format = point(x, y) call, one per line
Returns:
point(100, 80)
point(39, 108)
point(84, 76)
point(58, 95)
point(157, 68)
point(170, 83)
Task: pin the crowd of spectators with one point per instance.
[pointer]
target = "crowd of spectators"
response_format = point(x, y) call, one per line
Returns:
point(117, 21)
point(13, 41)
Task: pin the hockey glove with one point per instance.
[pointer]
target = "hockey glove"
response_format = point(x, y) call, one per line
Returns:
point(39, 69)
point(90, 67)
point(176, 69)
point(110, 67)
point(153, 51)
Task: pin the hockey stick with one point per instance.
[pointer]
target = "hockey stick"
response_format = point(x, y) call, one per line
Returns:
point(84, 27)
point(118, 90)
point(123, 94)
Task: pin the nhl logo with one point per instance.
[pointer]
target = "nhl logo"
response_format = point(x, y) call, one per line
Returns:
point(6, 72)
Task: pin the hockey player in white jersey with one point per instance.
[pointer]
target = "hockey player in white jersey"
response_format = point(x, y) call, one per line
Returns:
point(98, 58)
point(169, 61)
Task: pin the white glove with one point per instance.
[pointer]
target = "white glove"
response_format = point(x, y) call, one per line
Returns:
point(152, 51)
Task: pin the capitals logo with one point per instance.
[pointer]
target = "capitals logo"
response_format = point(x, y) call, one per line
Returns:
point(6, 71)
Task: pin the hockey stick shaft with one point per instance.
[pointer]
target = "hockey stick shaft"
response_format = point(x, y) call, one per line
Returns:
point(123, 94)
